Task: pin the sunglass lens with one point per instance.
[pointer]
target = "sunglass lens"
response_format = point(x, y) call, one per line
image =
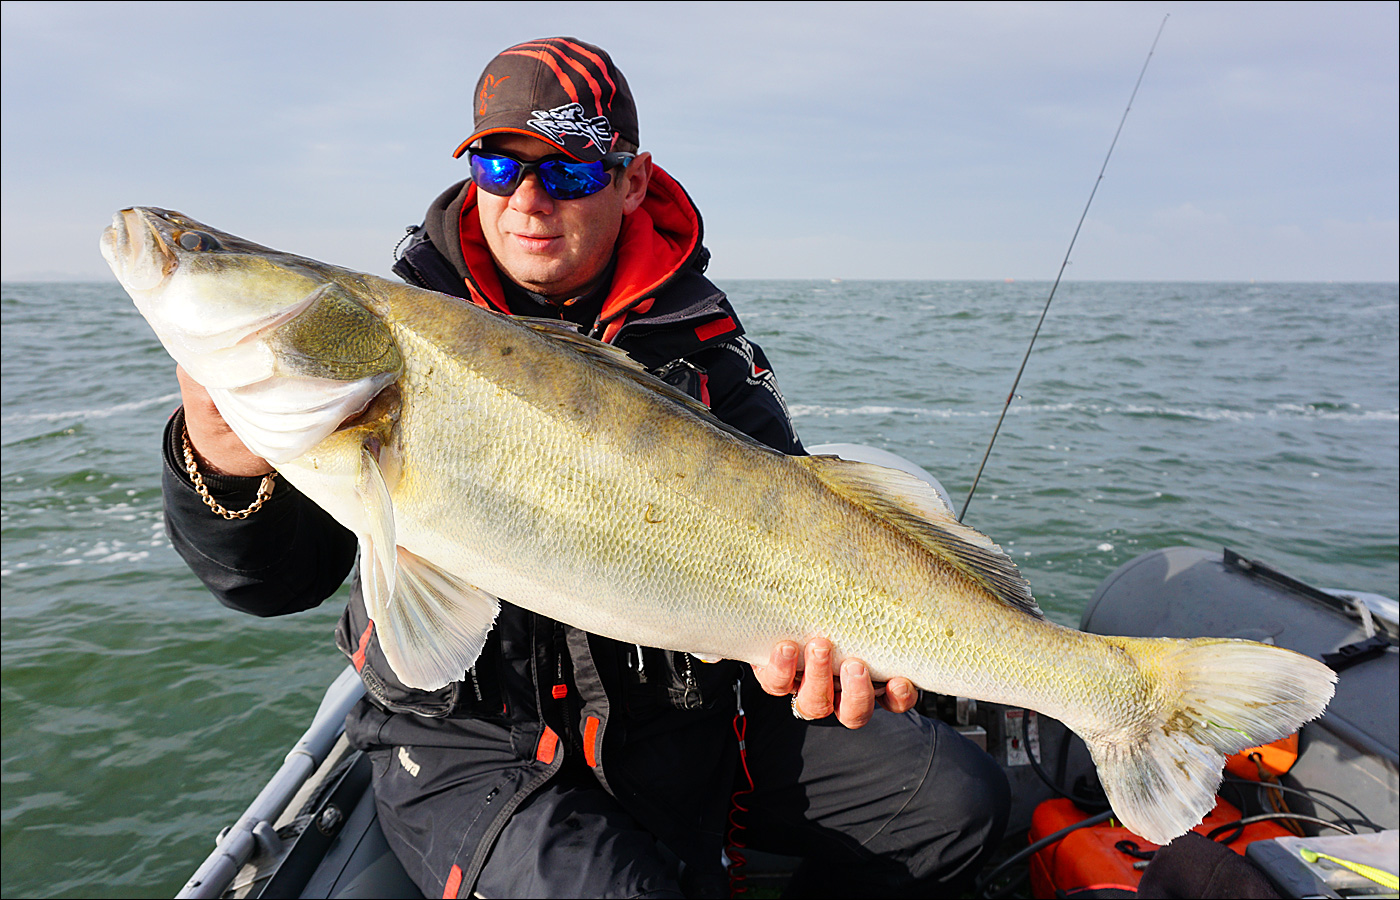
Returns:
point(571, 180)
point(498, 175)
point(561, 179)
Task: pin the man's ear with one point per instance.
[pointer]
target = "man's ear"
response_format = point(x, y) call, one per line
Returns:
point(634, 182)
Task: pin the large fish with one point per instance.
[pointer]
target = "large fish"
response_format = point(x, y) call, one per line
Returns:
point(478, 456)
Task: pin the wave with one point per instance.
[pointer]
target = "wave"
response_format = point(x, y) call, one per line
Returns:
point(138, 545)
point(1211, 414)
point(1225, 310)
point(98, 413)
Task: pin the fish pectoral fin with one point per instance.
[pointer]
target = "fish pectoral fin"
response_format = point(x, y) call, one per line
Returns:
point(431, 624)
point(914, 507)
point(377, 569)
point(433, 629)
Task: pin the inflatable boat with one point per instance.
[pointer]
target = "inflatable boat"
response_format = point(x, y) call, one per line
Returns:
point(1331, 788)
point(313, 831)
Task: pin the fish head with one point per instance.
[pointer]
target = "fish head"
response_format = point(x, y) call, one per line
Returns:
point(283, 344)
point(208, 295)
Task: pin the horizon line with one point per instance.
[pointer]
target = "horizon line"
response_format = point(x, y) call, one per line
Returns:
point(830, 280)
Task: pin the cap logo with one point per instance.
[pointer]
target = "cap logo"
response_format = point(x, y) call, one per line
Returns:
point(487, 84)
point(563, 122)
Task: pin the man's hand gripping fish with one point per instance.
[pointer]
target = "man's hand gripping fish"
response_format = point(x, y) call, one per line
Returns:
point(477, 456)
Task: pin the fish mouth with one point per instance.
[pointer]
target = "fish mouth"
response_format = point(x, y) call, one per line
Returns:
point(136, 250)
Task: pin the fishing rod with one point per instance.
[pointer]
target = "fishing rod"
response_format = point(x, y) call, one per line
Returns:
point(1012, 395)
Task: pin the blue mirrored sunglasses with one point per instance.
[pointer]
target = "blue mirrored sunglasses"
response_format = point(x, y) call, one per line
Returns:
point(561, 178)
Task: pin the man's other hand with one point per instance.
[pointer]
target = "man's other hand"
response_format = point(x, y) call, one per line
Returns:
point(218, 449)
point(821, 692)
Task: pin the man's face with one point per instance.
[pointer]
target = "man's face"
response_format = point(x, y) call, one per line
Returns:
point(557, 248)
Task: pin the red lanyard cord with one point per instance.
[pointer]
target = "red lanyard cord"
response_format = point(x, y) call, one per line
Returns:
point(734, 839)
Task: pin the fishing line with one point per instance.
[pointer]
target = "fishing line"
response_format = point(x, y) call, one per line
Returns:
point(1240, 783)
point(1012, 395)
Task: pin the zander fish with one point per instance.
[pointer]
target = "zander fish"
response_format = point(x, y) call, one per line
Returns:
point(478, 456)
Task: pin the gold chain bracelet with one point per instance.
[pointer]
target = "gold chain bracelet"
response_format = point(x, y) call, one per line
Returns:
point(264, 489)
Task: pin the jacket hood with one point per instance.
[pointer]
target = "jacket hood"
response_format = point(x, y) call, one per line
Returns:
point(658, 241)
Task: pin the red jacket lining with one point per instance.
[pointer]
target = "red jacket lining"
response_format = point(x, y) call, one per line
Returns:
point(656, 242)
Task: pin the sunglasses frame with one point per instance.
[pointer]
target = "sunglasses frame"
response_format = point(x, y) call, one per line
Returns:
point(609, 162)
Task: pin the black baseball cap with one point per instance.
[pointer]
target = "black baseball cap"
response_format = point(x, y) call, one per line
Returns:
point(560, 90)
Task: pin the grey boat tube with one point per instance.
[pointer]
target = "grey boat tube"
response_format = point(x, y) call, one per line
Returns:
point(238, 844)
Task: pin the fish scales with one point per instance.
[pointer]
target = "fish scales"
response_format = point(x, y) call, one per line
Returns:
point(669, 507)
point(476, 457)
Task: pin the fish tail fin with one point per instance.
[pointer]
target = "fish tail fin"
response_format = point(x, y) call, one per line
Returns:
point(1214, 697)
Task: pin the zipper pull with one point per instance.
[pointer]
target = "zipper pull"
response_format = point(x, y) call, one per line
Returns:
point(691, 688)
point(560, 689)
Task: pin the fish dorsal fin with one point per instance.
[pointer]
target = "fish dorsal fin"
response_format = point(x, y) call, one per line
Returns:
point(431, 624)
point(912, 505)
point(590, 347)
point(617, 360)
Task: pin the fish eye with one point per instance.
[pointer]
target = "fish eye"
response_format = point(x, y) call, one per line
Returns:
point(198, 240)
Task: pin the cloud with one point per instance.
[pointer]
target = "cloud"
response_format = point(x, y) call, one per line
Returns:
point(1187, 238)
point(900, 140)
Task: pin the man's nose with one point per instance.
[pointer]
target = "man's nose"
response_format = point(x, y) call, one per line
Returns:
point(529, 197)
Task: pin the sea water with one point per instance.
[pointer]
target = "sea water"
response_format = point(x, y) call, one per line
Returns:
point(140, 717)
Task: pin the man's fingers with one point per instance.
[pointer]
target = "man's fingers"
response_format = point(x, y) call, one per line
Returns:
point(900, 695)
point(215, 445)
point(816, 697)
point(820, 691)
point(856, 701)
point(780, 675)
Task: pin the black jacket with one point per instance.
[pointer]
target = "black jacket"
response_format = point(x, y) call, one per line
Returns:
point(652, 725)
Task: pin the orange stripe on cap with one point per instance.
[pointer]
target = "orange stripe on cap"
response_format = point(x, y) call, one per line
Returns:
point(716, 327)
point(595, 58)
point(454, 883)
point(548, 60)
point(544, 750)
point(359, 658)
point(577, 67)
point(590, 741)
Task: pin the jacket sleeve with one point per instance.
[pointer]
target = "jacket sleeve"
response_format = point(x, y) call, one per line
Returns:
point(743, 393)
point(286, 557)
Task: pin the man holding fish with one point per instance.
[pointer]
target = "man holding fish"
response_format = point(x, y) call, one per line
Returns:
point(564, 763)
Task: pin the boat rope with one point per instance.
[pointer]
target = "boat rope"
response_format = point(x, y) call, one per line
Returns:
point(1012, 395)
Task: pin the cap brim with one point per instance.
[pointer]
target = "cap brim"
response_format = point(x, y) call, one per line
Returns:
point(507, 129)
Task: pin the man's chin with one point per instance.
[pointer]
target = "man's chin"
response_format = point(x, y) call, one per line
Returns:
point(537, 279)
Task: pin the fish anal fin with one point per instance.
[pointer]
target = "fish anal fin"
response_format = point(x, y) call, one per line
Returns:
point(911, 505)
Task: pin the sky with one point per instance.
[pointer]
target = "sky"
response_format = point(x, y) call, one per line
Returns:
point(820, 140)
